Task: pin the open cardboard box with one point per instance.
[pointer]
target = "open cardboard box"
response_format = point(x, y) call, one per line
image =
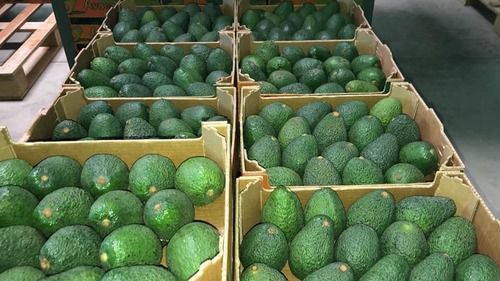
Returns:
point(214, 144)
point(346, 6)
point(228, 8)
point(251, 195)
point(103, 40)
point(431, 128)
point(366, 42)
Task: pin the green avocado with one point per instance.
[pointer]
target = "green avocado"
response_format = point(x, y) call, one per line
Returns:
point(264, 243)
point(150, 174)
point(375, 209)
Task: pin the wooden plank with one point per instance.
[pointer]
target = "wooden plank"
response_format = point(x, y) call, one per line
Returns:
point(27, 26)
point(18, 21)
point(4, 8)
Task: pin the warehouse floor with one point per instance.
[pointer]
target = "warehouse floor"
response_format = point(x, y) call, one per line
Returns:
point(452, 55)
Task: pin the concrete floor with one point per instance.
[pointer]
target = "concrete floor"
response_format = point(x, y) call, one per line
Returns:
point(452, 56)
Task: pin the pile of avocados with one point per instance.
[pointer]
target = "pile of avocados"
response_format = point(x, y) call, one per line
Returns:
point(147, 72)
point(135, 120)
point(376, 238)
point(321, 70)
point(189, 24)
point(348, 144)
point(62, 221)
point(306, 23)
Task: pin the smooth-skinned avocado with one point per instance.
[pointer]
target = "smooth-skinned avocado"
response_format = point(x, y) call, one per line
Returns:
point(264, 243)
point(320, 172)
point(79, 273)
point(16, 206)
point(117, 53)
point(386, 109)
point(171, 127)
point(90, 110)
point(201, 179)
point(266, 151)
point(90, 78)
point(68, 130)
point(326, 202)
point(405, 239)
point(341, 75)
point(115, 209)
point(197, 114)
point(160, 110)
point(402, 173)
point(102, 173)
point(150, 174)
point(283, 176)
point(105, 126)
point(260, 271)
point(167, 211)
point(296, 154)
point(437, 266)
point(421, 154)
point(390, 268)
point(139, 272)
point(364, 61)
point(360, 86)
point(284, 210)
point(375, 209)
point(20, 246)
point(338, 271)
point(14, 172)
point(130, 110)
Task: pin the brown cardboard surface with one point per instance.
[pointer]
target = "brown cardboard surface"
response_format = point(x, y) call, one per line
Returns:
point(366, 42)
point(431, 128)
point(251, 196)
point(214, 144)
point(103, 40)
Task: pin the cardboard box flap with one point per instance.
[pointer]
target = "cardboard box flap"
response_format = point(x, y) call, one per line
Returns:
point(6, 150)
point(454, 187)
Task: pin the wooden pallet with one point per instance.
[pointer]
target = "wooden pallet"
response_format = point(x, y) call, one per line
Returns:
point(22, 68)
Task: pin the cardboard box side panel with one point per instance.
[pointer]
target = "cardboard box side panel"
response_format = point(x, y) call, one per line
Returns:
point(487, 233)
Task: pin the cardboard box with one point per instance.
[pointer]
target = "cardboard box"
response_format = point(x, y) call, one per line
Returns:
point(214, 144)
point(103, 40)
point(251, 195)
point(227, 7)
point(431, 128)
point(346, 7)
point(366, 42)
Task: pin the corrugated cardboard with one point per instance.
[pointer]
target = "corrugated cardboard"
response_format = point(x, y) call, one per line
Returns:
point(103, 40)
point(431, 128)
point(366, 42)
point(214, 144)
point(251, 196)
point(227, 7)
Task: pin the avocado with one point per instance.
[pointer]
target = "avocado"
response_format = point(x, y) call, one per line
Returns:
point(340, 153)
point(102, 173)
point(364, 61)
point(63, 207)
point(293, 54)
point(165, 13)
point(167, 211)
point(256, 60)
point(139, 272)
point(336, 62)
point(200, 89)
point(265, 243)
point(402, 173)
point(335, 23)
point(329, 130)
point(292, 129)
point(69, 247)
point(319, 52)
point(281, 78)
point(169, 91)
point(100, 91)
point(148, 17)
point(298, 152)
point(130, 110)
point(133, 66)
point(326, 202)
point(428, 212)
point(260, 271)
point(455, 237)
point(329, 88)
point(383, 151)
point(191, 9)
point(105, 66)
point(373, 75)
point(348, 31)
point(314, 112)
point(351, 111)
point(113, 210)
point(305, 65)
point(138, 128)
point(341, 75)
point(90, 110)
point(154, 80)
point(278, 63)
point(437, 266)
point(197, 114)
point(267, 88)
point(147, 29)
point(105, 126)
point(219, 59)
point(295, 88)
point(365, 130)
point(20, 246)
point(173, 52)
point(250, 18)
point(320, 172)
point(184, 78)
point(150, 174)
point(375, 209)
point(79, 273)
point(193, 63)
point(284, 210)
point(132, 36)
point(405, 239)
point(404, 128)
point(68, 130)
point(314, 78)
point(390, 268)
point(360, 86)
point(14, 172)
point(252, 69)
point(135, 90)
point(359, 170)
point(204, 186)
point(421, 154)
point(191, 245)
point(283, 176)
point(213, 10)
point(346, 50)
point(120, 80)
point(325, 35)
point(16, 206)
point(267, 51)
point(164, 65)
point(127, 15)
point(215, 77)
point(197, 30)
point(22, 273)
point(52, 173)
point(386, 109)
point(306, 9)
point(277, 114)
point(338, 271)
point(266, 151)
point(254, 128)
point(185, 135)
point(477, 267)
point(130, 245)
point(90, 78)
point(160, 110)
point(171, 127)
point(156, 35)
point(312, 247)
point(117, 53)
